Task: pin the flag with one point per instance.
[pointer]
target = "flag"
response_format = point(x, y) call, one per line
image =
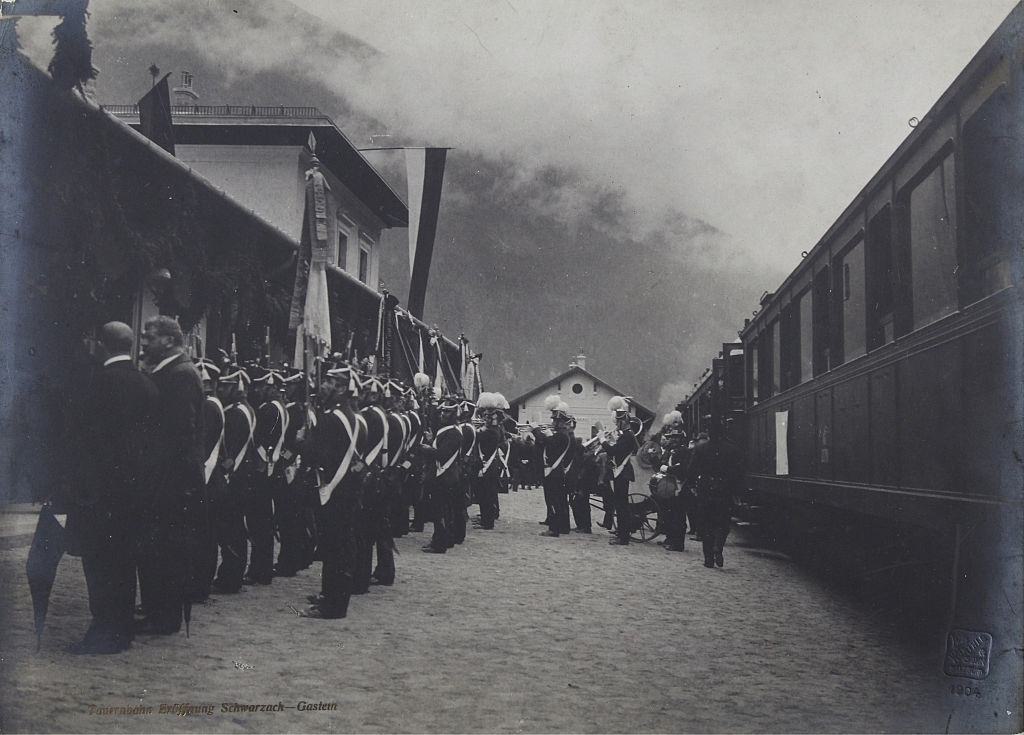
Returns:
point(155, 115)
point(425, 171)
point(310, 315)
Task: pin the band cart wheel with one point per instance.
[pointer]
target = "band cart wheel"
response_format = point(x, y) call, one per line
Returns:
point(644, 512)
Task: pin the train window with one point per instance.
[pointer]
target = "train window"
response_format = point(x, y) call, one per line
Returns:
point(990, 197)
point(776, 361)
point(932, 228)
point(822, 329)
point(790, 345)
point(805, 348)
point(880, 279)
point(755, 387)
point(850, 300)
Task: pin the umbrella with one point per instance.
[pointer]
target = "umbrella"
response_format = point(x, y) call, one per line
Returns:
point(41, 567)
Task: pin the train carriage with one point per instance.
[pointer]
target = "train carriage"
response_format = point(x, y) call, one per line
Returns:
point(882, 380)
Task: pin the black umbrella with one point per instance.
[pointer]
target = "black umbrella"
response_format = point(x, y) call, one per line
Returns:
point(41, 567)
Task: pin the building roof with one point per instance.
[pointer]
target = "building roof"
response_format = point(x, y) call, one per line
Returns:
point(576, 368)
point(289, 126)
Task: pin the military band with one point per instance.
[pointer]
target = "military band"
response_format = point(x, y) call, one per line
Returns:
point(331, 467)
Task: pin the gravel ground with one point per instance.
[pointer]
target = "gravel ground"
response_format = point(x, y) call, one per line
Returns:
point(510, 632)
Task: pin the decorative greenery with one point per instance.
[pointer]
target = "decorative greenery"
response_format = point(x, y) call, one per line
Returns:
point(71, 65)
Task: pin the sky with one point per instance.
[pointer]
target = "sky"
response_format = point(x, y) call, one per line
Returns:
point(627, 177)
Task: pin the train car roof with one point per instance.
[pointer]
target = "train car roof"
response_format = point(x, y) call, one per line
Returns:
point(1002, 42)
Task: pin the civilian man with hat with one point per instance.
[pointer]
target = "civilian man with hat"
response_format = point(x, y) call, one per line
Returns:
point(177, 474)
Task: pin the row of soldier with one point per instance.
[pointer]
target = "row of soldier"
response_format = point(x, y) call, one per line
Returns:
point(246, 453)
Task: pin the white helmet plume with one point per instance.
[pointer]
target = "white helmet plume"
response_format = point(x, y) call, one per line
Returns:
point(551, 403)
point(618, 403)
point(421, 380)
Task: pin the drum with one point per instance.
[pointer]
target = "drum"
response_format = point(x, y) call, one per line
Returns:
point(664, 486)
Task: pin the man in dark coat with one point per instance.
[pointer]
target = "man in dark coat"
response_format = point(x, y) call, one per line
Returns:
point(176, 472)
point(717, 469)
point(118, 408)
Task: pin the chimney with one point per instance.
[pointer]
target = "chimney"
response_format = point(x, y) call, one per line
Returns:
point(184, 95)
point(580, 361)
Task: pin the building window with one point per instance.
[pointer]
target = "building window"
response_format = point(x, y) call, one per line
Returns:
point(991, 200)
point(364, 264)
point(595, 388)
point(932, 229)
point(342, 255)
point(775, 371)
point(577, 388)
point(186, 79)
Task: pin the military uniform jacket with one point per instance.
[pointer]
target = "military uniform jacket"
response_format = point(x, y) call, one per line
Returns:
point(468, 439)
point(373, 448)
point(556, 451)
point(488, 450)
point(213, 435)
point(398, 436)
point(447, 450)
point(271, 427)
point(239, 426)
point(334, 450)
point(619, 455)
point(678, 461)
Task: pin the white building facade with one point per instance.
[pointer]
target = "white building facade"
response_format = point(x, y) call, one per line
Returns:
point(586, 394)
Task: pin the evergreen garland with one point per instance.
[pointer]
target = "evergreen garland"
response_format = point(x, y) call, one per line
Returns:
point(71, 65)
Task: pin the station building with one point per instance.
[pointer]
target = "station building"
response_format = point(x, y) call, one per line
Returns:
point(586, 394)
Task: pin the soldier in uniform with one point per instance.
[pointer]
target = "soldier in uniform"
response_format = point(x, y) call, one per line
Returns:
point(289, 499)
point(236, 468)
point(621, 446)
point(333, 451)
point(676, 461)
point(489, 441)
point(394, 512)
point(444, 483)
point(373, 530)
point(202, 540)
point(268, 439)
point(469, 468)
point(556, 450)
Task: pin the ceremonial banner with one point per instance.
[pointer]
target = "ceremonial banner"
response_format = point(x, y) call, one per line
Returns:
point(155, 116)
point(425, 171)
point(310, 290)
